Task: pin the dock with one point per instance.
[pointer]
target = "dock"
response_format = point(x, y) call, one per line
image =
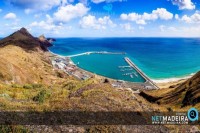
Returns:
point(124, 66)
point(97, 52)
point(141, 73)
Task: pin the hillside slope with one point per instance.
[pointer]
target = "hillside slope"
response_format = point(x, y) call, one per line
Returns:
point(19, 66)
point(188, 93)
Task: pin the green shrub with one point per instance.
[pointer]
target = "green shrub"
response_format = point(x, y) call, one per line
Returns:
point(41, 96)
point(28, 86)
point(169, 109)
point(32, 86)
point(16, 86)
point(36, 86)
point(12, 129)
point(69, 86)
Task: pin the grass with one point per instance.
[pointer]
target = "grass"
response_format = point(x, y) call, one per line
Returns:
point(56, 97)
point(41, 96)
point(32, 86)
point(13, 129)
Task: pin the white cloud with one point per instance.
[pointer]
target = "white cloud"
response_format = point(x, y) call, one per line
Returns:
point(100, 1)
point(69, 12)
point(127, 27)
point(94, 23)
point(182, 31)
point(27, 11)
point(184, 4)
point(38, 15)
point(172, 28)
point(10, 16)
point(38, 5)
point(47, 25)
point(159, 13)
point(162, 28)
point(195, 18)
point(141, 21)
point(162, 13)
point(141, 27)
point(176, 16)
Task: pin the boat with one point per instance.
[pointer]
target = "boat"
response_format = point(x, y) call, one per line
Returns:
point(136, 74)
point(124, 66)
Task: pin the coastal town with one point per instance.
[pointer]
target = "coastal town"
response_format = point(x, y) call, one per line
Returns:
point(65, 64)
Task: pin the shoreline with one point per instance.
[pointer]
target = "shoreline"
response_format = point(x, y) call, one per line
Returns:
point(173, 79)
point(159, 82)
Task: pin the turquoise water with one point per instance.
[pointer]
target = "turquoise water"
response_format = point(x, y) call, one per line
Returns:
point(158, 58)
point(104, 65)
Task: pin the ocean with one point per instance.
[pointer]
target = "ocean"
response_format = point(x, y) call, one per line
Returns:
point(161, 59)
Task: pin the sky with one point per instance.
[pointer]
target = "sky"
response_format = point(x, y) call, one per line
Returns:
point(102, 18)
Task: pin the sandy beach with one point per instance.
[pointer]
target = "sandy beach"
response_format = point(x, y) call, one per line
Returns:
point(170, 83)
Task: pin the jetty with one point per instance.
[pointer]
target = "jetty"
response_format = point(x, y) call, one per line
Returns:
point(148, 80)
point(124, 66)
point(97, 52)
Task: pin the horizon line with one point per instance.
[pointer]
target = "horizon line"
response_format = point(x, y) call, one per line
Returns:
point(116, 37)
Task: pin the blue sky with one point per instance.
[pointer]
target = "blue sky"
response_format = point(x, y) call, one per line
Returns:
point(102, 18)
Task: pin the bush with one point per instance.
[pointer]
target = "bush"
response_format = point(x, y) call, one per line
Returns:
point(36, 86)
point(41, 96)
point(32, 86)
point(28, 86)
point(16, 86)
point(106, 81)
point(12, 129)
point(60, 74)
point(169, 109)
point(69, 86)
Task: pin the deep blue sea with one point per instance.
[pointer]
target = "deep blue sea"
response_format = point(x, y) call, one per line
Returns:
point(159, 58)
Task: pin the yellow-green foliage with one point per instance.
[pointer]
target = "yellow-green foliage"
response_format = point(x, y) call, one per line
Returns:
point(13, 129)
point(41, 96)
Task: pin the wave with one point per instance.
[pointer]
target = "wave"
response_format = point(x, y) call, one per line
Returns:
point(167, 80)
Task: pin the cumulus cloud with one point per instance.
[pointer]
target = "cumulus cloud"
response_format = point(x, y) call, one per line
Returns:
point(159, 13)
point(182, 31)
point(94, 23)
point(167, 29)
point(108, 1)
point(10, 16)
point(162, 28)
point(141, 27)
point(195, 18)
point(48, 24)
point(69, 12)
point(171, 28)
point(184, 4)
point(37, 5)
point(98, 1)
point(127, 27)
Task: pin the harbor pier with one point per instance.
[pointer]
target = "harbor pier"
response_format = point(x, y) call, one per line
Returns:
point(148, 80)
point(97, 52)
